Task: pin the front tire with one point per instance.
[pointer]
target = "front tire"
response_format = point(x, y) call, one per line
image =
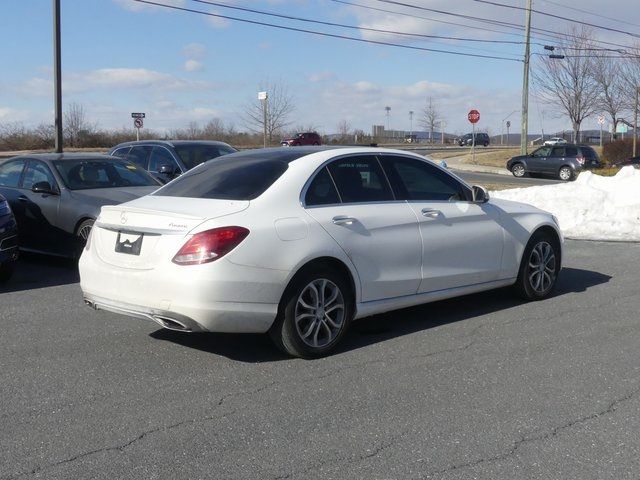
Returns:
point(539, 267)
point(565, 174)
point(315, 312)
point(518, 170)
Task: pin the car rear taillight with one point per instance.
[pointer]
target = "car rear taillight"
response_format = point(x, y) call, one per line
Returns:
point(580, 160)
point(207, 246)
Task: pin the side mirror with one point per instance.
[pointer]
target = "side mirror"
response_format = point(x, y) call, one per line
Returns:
point(44, 187)
point(480, 194)
point(166, 169)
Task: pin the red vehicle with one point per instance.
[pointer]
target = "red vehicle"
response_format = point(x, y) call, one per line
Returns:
point(304, 138)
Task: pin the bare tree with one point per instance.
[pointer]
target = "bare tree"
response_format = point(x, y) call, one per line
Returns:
point(569, 82)
point(193, 131)
point(214, 129)
point(280, 105)
point(631, 75)
point(344, 130)
point(430, 118)
point(76, 125)
point(608, 73)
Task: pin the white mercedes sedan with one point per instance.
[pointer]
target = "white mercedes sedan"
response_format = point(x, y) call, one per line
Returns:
point(299, 242)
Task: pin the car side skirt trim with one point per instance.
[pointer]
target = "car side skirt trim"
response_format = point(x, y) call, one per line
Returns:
point(374, 307)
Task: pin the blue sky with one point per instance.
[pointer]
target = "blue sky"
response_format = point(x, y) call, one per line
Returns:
point(121, 56)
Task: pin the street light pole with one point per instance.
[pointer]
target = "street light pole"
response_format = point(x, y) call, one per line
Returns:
point(502, 127)
point(525, 83)
point(57, 76)
point(410, 125)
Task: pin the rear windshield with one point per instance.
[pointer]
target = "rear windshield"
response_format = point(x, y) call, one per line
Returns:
point(88, 174)
point(193, 155)
point(230, 178)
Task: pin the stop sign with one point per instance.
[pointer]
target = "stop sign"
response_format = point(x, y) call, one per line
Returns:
point(474, 116)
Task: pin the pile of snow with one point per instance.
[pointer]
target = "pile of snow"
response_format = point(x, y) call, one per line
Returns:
point(592, 207)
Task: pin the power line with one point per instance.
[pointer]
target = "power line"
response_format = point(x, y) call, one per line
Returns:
point(559, 17)
point(599, 15)
point(354, 27)
point(325, 34)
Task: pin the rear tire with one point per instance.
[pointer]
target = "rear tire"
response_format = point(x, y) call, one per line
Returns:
point(539, 267)
point(314, 314)
point(82, 234)
point(6, 270)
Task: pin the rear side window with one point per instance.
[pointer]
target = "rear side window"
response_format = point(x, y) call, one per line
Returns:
point(360, 179)
point(10, 173)
point(558, 152)
point(193, 155)
point(572, 151)
point(321, 191)
point(416, 180)
point(228, 179)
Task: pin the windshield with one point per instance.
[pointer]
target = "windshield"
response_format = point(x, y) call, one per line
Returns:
point(84, 174)
point(232, 178)
point(194, 155)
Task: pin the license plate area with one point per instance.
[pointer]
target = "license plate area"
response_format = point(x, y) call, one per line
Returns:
point(129, 243)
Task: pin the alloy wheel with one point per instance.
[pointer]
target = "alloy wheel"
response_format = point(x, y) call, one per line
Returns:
point(542, 267)
point(319, 313)
point(565, 173)
point(518, 170)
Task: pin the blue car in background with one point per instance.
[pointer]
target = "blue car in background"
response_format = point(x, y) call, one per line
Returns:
point(8, 240)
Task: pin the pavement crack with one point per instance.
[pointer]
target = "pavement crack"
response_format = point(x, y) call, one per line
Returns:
point(122, 447)
point(344, 460)
point(611, 408)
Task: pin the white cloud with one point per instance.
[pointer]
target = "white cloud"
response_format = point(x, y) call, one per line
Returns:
point(192, 65)
point(194, 50)
point(217, 22)
point(134, 6)
point(321, 77)
point(112, 78)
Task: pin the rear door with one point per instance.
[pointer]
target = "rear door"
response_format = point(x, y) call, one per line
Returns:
point(555, 160)
point(462, 242)
point(353, 202)
point(10, 177)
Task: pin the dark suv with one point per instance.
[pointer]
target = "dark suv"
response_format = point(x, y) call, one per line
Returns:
point(166, 159)
point(481, 139)
point(561, 161)
point(304, 138)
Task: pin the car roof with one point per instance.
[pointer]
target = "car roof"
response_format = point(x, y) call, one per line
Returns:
point(62, 156)
point(171, 143)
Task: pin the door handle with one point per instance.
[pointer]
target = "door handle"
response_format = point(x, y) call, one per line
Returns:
point(343, 220)
point(430, 212)
point(23, 199)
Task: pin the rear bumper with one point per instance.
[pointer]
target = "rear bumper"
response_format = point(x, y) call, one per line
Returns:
point(216, 297)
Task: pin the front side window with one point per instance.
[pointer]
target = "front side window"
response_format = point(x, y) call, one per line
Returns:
point(360, 179)
point(413, 179)
point(139, 156)
point(321, 191)
point(37, 172)
point(233, 178)
point(88, 174)
point(160, 156)
point(193, 155)
point(10, 173)
point(542, 152)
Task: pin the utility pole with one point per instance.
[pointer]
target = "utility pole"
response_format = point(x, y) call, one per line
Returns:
point(410, 126)
point(635, 123)
point(525, 83)
point(57, 75)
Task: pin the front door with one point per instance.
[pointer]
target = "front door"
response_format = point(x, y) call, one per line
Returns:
point(538, 161)
point(462, 242)
point(379, 234)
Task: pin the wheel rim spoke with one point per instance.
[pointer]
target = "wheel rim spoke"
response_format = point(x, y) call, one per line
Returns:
point(319, 313)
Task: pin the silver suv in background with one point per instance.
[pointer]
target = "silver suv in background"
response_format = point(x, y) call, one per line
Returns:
point(560, 161)
point(167, 159)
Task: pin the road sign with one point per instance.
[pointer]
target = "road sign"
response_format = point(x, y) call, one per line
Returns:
point(137, 115)
point(138, 122)
point(474, 116)
point(508, 123)
point(262, 95)
point(621, 128)
point(601, 119)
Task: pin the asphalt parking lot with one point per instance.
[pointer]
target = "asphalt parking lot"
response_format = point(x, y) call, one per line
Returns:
point(482, 387)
